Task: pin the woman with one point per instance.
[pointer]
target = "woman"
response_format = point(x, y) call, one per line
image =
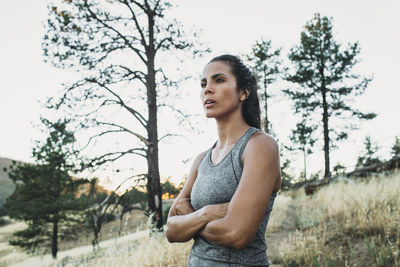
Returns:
point(226, 201)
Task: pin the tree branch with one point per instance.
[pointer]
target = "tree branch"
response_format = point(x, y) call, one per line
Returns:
point(135, 113)
point(124, 129)
point(137, 51)
point(136, 21)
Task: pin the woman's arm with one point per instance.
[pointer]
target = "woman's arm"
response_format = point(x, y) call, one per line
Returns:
point(183, 222)
point(260, 177)
point(182, 227)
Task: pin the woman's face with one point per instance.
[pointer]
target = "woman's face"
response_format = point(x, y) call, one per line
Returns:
point(219, 95)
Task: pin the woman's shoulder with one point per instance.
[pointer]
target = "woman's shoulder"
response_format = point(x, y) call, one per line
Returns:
point(201, 155)
point(262, 139)
point(198, 158)
point(261, 144)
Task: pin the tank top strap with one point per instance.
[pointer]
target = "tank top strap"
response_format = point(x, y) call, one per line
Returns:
point(241, 144)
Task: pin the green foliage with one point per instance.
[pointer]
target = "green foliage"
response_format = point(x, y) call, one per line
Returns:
point(3, 211)
point(286, 177)
point(368, 157)
point(339, 169)
point(166, 209)
point(396, 148)
point(303, 140)
point(266, 65)
point(325, 82)
point(382, 253)
point(45, 192)
point(170, 188)
point(133, 198)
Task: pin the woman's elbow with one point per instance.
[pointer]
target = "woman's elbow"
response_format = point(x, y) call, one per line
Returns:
point(240, 240)
point(173, 235)
point(169, 233)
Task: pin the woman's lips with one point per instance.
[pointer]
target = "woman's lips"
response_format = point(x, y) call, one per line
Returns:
point(207, 105)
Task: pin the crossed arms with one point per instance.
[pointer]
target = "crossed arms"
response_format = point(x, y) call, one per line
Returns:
point(235, 223)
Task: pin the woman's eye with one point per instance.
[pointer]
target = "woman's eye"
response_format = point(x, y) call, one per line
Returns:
point(203, 85)
point(219, 80)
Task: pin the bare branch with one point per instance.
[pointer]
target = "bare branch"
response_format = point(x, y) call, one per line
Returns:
point(96, 162)
point(137, 51)
point(101, 105)
point(135, 113)
point(168, 135)
point(124, 129)
point(137, 74)
point(174, 109)
point(137, 22)
point(100, 134)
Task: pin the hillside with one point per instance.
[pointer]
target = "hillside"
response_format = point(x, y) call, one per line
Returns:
point(6, 184)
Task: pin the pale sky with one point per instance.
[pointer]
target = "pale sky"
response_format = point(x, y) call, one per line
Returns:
point(228, 26)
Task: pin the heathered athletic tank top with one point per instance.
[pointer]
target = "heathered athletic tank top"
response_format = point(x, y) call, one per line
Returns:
point(216, 183)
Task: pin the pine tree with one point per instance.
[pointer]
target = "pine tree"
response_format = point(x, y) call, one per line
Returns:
point(303, 140)
point(326, 83)
point(267, 67)
point(45, 195)
point(119, 47)
point(369, 157)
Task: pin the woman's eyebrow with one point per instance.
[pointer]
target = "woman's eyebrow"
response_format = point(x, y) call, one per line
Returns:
point(217, 74)
point(214, 76)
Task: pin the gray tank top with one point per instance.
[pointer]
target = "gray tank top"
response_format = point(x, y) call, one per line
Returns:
point(217, 183)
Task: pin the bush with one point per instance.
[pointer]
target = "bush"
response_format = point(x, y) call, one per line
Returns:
point(166, 211)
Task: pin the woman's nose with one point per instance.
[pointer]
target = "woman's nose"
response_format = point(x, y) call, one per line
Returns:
point(208, 89)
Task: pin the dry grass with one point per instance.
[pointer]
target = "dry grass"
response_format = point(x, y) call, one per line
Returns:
point(279, 213)
point(343, 224)
point(348, 224)
point(153, 251)
point(134, 250)
point(132, 222)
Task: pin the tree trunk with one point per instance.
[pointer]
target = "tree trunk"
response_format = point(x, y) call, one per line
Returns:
point(54, 241)
point(326, 132)
point(153, 179)
point(305, 164)
point(266, 128)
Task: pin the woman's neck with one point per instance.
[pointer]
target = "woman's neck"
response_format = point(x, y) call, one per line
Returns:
point(229, 131)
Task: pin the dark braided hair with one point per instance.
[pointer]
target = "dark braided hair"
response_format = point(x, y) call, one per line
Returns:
point(245, 80)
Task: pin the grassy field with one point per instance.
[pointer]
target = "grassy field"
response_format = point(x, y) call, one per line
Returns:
point(347, 224)
point(343, 224)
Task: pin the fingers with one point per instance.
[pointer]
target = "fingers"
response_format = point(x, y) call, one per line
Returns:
point(184, 207)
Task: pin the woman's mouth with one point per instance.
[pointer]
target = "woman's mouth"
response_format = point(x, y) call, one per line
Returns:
point(209, 103)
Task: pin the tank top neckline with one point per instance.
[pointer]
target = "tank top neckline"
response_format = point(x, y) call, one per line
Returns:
point(230, 152)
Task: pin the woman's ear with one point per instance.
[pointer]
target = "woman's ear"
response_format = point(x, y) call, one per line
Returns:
point(244, 94)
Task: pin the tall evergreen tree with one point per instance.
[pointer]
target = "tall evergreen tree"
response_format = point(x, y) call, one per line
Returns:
point(303, 140)
point(326, 84)
point(45, 195)
point(266, 64)
point(116, 46)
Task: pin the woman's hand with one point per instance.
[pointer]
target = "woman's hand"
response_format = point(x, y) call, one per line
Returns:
point(216, 211)
point(213, 212)
point(183, 207)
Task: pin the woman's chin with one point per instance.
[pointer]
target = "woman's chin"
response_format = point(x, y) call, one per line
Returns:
point(210, 115)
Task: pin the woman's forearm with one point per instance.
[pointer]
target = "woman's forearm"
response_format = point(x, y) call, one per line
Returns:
point(219, 233)
point(181, 228)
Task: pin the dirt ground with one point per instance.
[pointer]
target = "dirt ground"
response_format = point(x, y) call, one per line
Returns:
point(5, 234)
